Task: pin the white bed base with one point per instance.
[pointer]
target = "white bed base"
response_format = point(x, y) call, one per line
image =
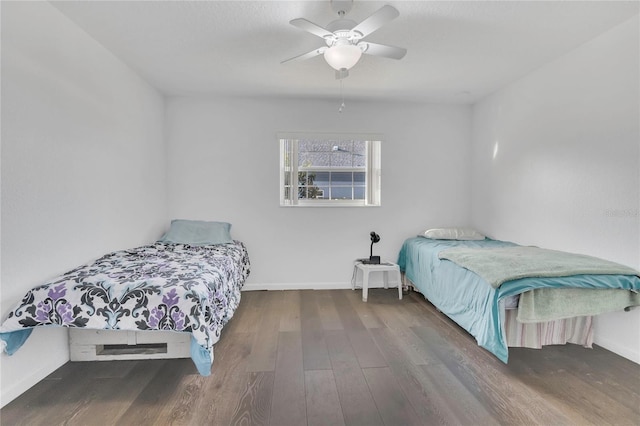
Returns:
point(108, 345)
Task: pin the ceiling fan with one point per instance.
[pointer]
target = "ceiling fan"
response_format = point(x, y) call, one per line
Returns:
point(344, 38)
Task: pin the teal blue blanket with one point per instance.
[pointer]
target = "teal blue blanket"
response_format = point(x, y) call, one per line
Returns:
point(497, 265)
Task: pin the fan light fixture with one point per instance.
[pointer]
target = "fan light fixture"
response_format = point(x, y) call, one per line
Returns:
point(342, 56)
point(344, 38)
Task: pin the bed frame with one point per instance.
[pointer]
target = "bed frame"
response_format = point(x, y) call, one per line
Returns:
point(109, 345)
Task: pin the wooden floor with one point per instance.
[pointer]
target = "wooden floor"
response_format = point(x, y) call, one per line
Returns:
point(325, 357)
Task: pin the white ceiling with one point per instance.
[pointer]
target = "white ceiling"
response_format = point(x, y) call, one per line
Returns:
point(458, 51)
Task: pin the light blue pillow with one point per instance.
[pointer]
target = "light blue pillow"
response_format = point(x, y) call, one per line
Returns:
point(197, 232)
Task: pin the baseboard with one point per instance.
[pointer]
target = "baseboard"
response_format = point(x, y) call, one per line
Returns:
point(296, 286)
point(615, 347)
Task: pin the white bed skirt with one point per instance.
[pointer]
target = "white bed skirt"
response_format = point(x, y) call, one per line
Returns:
point(577, 330)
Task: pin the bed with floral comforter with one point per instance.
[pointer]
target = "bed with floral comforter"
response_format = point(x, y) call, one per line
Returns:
point(162, 286)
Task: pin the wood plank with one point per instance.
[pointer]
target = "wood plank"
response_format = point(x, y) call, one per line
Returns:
point(461, 402)
point(265, 340)
point(358, 406)
point(362, 309)
point(82, 391)
point(540, 372)
point(430, 401)
point(162, 387)
point(106, 370)
point(127, 387)
point(393, 406)
point(290, 311)
point(178, 407)
point(363, 345)
point(221, 391)
point(348, 316)
point(459, 339)
point(254, 406)
point(288, 405)
point(613, 375)
point(247, 316)
point(411, 344)
point(323, 404)
point(508, 401)
point(327, 311)
point(314, 348)
point(367, 352)
point(461, 383)
point(495, 372)
point(28, 407)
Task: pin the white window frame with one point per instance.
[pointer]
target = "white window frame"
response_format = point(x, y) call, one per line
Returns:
point(289, 169)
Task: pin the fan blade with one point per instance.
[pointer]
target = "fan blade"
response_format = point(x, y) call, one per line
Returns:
point(312, 28)
point(383, 50)
point(307, 55)
point(382, 16)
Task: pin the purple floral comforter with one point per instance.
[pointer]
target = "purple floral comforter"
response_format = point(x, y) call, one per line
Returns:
point(177, 287)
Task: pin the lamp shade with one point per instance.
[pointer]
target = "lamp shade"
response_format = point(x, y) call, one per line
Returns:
point(342, 56)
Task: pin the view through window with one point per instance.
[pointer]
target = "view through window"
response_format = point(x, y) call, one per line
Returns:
point(321, 169)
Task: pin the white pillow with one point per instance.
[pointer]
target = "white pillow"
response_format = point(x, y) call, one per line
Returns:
point(453, 234)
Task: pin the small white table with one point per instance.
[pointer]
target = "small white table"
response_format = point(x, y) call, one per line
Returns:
point(367, 268)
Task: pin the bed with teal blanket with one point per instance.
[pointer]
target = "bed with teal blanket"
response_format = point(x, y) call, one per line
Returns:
point(469, 279)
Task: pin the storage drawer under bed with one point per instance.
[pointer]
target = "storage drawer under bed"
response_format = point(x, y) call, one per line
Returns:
point(107, 345)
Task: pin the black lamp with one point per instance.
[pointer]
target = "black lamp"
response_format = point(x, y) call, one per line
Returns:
point(374, 260)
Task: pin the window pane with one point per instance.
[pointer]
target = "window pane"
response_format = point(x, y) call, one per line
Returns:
point(341, 193)
point(311, 179)
point(323, 193)
point(358, 192)
point(314, 192)
point(302, 192)
point(341, 178)
point(306, 178)
point(359, 177)
point(322, 178)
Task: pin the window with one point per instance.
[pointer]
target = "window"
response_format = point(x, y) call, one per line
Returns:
point(319, 169)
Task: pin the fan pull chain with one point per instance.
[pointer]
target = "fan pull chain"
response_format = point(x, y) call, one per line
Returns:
point(342, 106)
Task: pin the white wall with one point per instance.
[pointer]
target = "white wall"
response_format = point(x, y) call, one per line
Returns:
point(223, 165)
point(83, 169)
point(566, 174)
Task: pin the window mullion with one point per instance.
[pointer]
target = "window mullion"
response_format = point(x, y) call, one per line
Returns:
point(294, 171)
